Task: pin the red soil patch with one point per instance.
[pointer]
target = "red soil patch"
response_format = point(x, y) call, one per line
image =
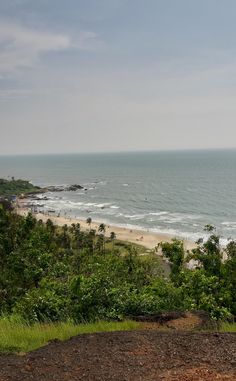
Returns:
point(129, 356)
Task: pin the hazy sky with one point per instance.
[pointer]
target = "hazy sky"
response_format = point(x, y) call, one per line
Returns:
point(114, 75)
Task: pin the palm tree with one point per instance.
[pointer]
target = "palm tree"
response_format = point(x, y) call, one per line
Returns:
point(65, 228)
point(89, 221)
point(102, 230)
point(92, 235)
point(100, 243)
point(112, 238)
point(65, 239)
point(75, 230)
point(50, 226)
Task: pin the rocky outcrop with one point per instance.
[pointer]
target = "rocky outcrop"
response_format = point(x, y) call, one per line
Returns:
point(74, 187)
point(64, 188)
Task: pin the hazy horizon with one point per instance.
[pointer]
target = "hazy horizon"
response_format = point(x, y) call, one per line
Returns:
point(116, 76)
point(180, 150)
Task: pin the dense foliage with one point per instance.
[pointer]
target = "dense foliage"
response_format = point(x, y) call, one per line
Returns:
point(16, 187)
point(49, 273)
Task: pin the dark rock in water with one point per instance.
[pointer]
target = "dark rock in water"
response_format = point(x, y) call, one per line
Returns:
point(74, 187)
point(64, 188)
point(36, 198)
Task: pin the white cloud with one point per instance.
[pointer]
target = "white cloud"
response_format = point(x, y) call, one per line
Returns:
point(22, 47)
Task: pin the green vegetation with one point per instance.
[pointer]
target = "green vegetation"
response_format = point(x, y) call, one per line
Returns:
point(53, 275)
point(228, 327)
point(19, 337)
point(16, 187)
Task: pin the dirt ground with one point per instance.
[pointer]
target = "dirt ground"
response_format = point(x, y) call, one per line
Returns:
point(144, 355)
point(125, 356)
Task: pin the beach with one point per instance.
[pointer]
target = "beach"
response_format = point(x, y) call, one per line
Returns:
point(159, 193)
point(145, 238)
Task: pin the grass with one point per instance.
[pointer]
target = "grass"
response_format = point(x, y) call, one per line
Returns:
point(20, 337)
point(228, 327)
point(125, 246)
point(16, 336)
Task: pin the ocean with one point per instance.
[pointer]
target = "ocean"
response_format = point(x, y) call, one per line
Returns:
point(176, 193)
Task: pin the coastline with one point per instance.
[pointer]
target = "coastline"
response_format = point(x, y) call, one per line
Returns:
point(149, 240)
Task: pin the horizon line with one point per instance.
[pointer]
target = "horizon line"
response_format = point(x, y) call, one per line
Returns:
point(119, 152)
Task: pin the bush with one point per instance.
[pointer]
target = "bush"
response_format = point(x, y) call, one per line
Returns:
point(48, 303)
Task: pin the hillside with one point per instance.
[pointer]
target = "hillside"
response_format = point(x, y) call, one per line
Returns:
point(16, 187)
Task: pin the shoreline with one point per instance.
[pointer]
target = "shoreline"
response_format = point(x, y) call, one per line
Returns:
point(147, 239)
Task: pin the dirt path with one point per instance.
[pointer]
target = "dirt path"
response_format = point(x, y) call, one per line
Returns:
point(124, 356)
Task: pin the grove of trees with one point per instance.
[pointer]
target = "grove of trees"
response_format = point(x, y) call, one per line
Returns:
point(50, 273)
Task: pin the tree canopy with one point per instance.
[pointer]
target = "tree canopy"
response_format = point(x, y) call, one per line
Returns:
point(50, 273)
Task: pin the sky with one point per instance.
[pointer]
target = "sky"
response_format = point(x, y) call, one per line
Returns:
point(117, 75)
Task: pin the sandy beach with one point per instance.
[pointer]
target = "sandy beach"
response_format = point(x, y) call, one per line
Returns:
point(147, 239)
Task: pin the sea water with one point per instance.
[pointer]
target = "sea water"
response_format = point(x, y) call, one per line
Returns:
point(177, 193)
